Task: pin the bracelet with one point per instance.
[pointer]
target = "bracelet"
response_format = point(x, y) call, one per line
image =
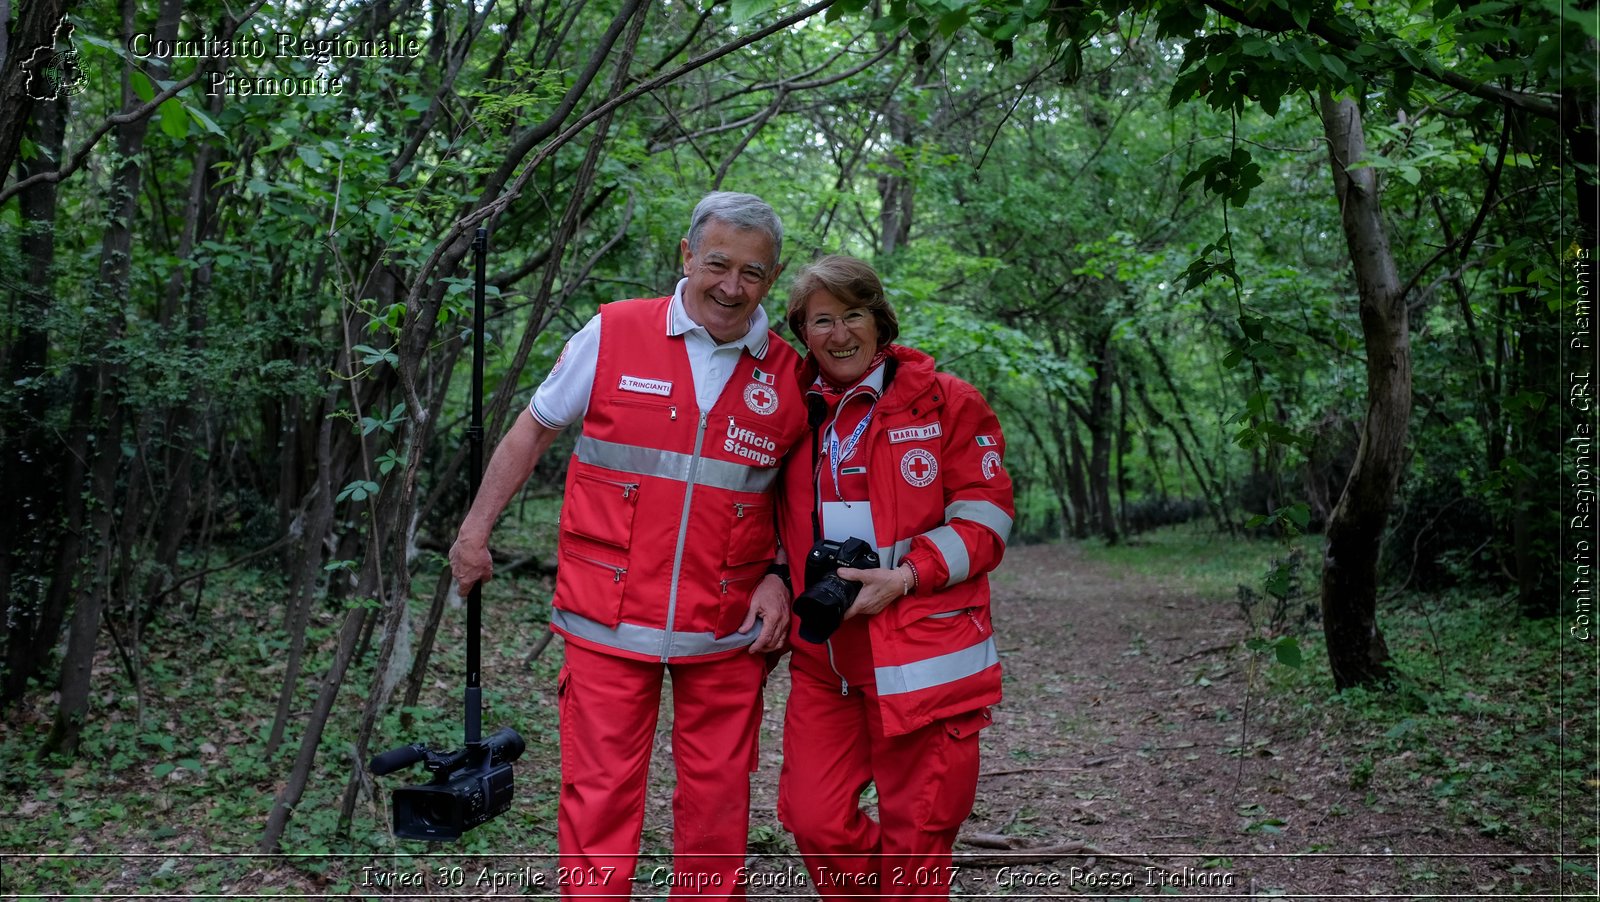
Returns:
point(911, 584)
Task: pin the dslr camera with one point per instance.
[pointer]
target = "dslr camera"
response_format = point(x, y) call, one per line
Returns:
point(469, 786)
point(822, 605)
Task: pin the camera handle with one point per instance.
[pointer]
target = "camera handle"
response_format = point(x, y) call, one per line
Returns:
point(474, 699)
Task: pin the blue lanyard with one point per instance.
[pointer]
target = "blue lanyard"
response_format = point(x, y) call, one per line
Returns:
point(836, 454)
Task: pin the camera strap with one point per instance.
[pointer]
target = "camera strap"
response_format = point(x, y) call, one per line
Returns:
point(816, 412)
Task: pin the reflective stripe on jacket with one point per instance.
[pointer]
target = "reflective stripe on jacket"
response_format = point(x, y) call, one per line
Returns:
point(668, 521)
point(941, 498)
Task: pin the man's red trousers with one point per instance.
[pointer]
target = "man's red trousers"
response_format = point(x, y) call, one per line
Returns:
point(608, 707)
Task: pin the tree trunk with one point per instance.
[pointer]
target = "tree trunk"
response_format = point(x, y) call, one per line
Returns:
point(896, 192)
point(37, 21)
point(300, 774)
point(1100, 429)
point(316, 519)
point(1077, 489)
point(1357, 653)
point(111, 289)
point(30, 479)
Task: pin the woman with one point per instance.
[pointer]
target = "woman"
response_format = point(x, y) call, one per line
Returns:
point(908, 460)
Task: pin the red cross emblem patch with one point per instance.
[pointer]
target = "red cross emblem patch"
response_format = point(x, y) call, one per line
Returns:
point(762, 399)
point(919, 467)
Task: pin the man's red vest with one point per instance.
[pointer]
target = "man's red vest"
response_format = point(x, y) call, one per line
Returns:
point(668, 522)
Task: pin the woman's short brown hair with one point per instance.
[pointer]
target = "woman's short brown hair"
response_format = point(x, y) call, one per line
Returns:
point(853, 282)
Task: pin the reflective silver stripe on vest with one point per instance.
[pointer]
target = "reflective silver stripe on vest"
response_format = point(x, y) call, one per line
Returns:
point(937, 671)
point(647, 640)
point(889, 556)
point(953, 550)
point(674, 465)
point(985, 512)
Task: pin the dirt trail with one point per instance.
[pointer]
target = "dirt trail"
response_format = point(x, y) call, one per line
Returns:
point(1124, 713)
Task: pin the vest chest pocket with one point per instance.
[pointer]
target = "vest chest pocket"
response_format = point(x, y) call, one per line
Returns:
point(753, 536)
point(657, 412)
point(601, 509)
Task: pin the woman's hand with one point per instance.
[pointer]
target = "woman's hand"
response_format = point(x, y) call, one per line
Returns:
point(879, 587)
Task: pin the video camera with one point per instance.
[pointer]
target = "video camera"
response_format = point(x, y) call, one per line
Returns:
point(469, 786)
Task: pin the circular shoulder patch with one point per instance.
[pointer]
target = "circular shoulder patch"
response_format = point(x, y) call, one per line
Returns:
point(991, 464)
point(919, 467)
point(762, 399)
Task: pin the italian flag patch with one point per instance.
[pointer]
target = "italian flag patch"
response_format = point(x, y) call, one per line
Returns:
point(852, 471)
point(763, 378)
point(986, 441)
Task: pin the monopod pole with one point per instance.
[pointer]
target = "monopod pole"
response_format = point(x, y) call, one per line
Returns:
point(474, 700)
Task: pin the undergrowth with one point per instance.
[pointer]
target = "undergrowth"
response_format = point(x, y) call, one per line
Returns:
point(1492, 714)
point(173, 795)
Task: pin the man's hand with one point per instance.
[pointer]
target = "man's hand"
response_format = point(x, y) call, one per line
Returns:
point(769, 603)
point(470, 563)
point(509, 468)
point(879, 587)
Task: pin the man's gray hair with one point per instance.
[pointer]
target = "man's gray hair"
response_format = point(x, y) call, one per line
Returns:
point(742, 211)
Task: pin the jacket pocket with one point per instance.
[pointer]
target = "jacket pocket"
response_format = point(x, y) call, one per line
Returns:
point(590, 580)
point(752, 536)
point(734, 603)
point(601, 509)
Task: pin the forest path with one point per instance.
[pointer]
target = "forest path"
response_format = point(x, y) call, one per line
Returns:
point(1124, 713)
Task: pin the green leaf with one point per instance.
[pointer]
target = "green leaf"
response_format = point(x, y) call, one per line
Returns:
point(360, 490)
point(142, 87)
point(174, 119)
point(741, 11)
point(1301, 12)
point(952, 22)
point(1288, 652)
point(310, 157)
point(206, 122)
point(163, 769)
point(1299, 513)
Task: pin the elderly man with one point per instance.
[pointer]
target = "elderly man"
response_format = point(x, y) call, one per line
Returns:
point(664, 562)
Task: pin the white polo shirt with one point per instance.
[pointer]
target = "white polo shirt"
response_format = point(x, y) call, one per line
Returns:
point(563, 398)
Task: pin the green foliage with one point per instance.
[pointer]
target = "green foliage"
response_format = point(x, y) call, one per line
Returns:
point(1472, 723)
point(191, 778)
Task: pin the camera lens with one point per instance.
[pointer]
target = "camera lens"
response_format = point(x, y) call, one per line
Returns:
point(822, 605)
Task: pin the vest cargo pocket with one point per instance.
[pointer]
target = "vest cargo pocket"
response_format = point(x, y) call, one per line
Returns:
point(734, 602)
point(588, 583)
point(601, 509)
point(753, 536)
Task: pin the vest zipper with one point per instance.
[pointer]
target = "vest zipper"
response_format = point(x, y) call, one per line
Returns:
point(616, 572)
point(683, 538)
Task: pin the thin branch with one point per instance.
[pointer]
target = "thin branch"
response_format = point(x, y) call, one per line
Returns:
point(495, 207)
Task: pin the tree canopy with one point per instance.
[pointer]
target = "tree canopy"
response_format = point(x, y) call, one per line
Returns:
point(1277, 266)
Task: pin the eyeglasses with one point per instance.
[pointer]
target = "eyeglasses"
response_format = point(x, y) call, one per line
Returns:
point(854, 320)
